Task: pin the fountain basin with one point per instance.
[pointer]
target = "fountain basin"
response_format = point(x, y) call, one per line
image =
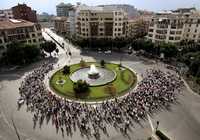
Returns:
point(103, 77)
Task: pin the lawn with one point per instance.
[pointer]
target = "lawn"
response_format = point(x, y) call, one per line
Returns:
point(96, 93)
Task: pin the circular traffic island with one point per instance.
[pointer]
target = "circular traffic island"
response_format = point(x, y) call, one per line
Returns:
point(91, 82)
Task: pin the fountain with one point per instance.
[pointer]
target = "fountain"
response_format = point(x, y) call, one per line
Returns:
point(93, 73)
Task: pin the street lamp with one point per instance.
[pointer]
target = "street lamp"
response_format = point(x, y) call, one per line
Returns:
point(179, 50)
point(157, 124)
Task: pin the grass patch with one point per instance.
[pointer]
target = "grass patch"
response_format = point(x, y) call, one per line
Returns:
point(96, 93)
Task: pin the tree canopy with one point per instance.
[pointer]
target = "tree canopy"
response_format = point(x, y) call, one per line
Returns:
point(49, 47)
point(19, 54)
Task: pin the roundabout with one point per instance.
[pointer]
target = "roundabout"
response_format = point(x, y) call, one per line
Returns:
point(105, 82)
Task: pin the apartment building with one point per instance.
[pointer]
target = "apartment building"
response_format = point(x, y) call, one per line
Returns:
point(22, 11)
point(137, 27)
point(6, 14)
point(72, 21)
point(175, 26)
point(62, 25)
point(97, 22)
point(63, 9)
point(20, 31)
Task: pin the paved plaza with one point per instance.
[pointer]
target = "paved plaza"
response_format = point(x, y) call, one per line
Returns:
point(181, 122)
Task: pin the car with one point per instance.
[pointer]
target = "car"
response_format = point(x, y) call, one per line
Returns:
point(108, 52)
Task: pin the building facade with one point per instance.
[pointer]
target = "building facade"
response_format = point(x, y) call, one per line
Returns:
point(137, 27)
point(72, 21)
point(21, 31)
point(63, 9)
point(175, 26)
point(6, 14)
point(97, 22)
point(62, 25)
point(22, 11)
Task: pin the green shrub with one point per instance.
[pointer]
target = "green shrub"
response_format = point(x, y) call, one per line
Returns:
point(82, 63)
point(161, 135)
point(81, 86)
point(66, 70)
point(102, 62)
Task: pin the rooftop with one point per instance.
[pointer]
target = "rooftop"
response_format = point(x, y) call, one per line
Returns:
point(63, 5)
point(13, 23)
point(60, 18)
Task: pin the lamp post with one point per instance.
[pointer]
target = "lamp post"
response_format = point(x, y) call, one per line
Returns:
point(157, 124)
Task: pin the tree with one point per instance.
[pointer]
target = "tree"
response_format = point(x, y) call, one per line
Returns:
point(102, 62)
point(19, 54)
point(82, 63)
point(57, 51)
point(81, 86)
point(168, 49)
point(49, 46)
point(66, 70)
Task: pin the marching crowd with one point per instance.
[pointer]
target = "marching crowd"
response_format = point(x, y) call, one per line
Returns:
point(157, 90)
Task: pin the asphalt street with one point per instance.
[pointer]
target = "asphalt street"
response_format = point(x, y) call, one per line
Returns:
point(180, 122)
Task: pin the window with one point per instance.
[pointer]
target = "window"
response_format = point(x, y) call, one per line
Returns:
point(172, 32)
point(101, 29)
point(194, 36)
point(33, 35)
point(150, 35)
point(150, 30)
point(178, 32)
point(108, 19)
point(34, 40)
point(195, 30)
point(171, 38)
point(188, 30)
point(177, 38)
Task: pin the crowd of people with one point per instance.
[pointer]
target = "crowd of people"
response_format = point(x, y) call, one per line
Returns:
point(157, 90)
